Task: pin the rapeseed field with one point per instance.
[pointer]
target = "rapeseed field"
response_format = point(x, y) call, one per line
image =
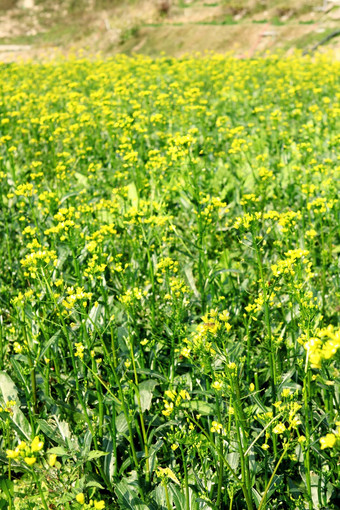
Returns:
point(169, 287)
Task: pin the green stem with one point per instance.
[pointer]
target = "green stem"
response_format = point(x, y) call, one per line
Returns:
point(263, 500)
point(78, 391)
point(100, 400)
point(40, 490)
point(33, 392)
point(187, 502)
point(141, 417)
point(306, 397)
point(272, 364)
point(224, 461)
point(323, 273)
point(167, 496)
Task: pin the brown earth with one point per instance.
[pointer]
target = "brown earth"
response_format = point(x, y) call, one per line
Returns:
point(176, 27)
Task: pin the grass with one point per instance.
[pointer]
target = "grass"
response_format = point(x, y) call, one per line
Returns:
point(169, 333)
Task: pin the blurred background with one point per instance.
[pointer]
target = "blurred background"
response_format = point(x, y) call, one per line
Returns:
point(44, 28)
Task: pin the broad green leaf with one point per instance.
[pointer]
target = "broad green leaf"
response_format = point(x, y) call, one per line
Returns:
point(159, 496)
point(128, 498)
point(95, 316)
point(121, 424)
point(110, 460)
point(82, 179)
point(199, 407)
point(51, 432)
point(146, 393)
point(8, 391)
point(133, 194)
point(178, 497)
point(7, 486)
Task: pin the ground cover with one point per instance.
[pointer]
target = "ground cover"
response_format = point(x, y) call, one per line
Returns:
point(169, 296)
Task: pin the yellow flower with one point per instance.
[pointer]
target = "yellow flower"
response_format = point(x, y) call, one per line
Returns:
point(99, 505)
point(251, 387)
point(12, 454)
point(279, 429)
point(217, 385)
point(184, 394)
point(185, 352)
point(169, 407)
point(52, 459)
point(265, 446)
point(30, 460)
point(80, 498)
point(328, 441)
point(217, 427)
point(36, 445)
point(170, 394)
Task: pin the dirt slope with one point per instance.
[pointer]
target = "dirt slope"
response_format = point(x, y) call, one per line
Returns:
point(246, 27)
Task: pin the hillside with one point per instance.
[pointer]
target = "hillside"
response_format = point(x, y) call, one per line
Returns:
point(32, 28)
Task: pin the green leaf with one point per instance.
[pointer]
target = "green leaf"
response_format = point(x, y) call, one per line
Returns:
point(109, 463)
point(159, 496)
point(51, 432)
point(49, 344)
point(256, 496)
point(146, 393)
point(95, 454)
point(152, 453)
point(128, 498)
point(191, 281)
point(233, 458)
point(147, 371)
point(93, 483)
point(8, 391)
point(177, 496)
point(95, 316)
point(133, 194)
point(199, 407)
point(121, 424)
point(17, 366)
point(59, 450)
point(82, 179)
point(7, 486)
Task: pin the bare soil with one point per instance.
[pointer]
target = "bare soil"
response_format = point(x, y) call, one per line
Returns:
point(176, 27)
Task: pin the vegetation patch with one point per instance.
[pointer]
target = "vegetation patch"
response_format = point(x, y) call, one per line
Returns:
point(169, 294)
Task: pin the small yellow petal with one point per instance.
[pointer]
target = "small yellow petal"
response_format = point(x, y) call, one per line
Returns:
point(80, 498)
point(52, 459)
point(30, 460)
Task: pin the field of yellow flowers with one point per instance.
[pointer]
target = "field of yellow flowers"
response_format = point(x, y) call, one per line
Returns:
point(169, 284)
